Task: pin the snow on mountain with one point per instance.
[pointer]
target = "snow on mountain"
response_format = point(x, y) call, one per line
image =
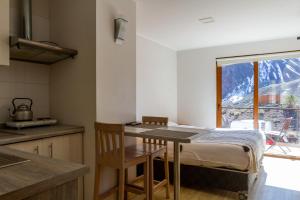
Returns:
point(275, 76)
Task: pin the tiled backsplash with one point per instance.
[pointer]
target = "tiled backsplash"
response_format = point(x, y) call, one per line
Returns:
point(22, 79)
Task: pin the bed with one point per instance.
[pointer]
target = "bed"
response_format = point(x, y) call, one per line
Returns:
point(226, 148)
point(220, 158)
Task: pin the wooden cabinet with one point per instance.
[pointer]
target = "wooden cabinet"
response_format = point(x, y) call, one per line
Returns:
point(30, 147)
point(67, 147)
point(4, 32)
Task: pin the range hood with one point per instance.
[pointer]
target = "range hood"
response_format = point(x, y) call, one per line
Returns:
point(25, 49)
point(38, 52)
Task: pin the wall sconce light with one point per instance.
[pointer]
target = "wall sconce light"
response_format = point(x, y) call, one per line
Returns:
point(120, 30)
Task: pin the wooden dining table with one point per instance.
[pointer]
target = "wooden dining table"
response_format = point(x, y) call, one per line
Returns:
point(176, 135)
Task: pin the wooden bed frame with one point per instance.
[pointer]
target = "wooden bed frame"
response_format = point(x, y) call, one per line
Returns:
point(198, 177)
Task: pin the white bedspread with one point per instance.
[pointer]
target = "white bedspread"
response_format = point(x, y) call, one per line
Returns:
point(234, 149)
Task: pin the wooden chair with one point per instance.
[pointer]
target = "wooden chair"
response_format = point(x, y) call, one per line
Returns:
point(111, 152)
point(156, 148)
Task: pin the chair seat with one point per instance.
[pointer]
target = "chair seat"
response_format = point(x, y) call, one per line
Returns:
point(134, 157)
point(276, 136)
point(131, 154)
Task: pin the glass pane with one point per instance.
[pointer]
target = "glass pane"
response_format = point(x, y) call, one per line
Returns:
point(279, 95)
point(237, 95)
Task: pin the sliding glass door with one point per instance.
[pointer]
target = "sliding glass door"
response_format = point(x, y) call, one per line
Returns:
point(279, 95)
point(237, 95)
point(262, 94)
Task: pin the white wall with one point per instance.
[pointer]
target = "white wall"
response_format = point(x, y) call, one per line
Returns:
point(197, 77)
point(156, 80)
point(116, 64)
point(116, 71)
point(73, 81)
point(100, 83)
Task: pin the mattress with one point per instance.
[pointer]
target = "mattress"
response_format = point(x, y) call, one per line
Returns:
point(213, 155)
point(218, 155)
point(229, 155)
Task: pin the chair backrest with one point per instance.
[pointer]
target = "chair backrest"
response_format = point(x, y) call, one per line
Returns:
point(286, 124)
point(110, 148)
point(163, 121)
point(158, 121)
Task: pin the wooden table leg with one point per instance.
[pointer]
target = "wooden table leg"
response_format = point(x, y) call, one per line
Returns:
point(151, 178)
point(176, 171)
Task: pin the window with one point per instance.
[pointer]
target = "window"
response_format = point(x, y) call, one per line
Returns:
point(237, 94)
point(260, 94)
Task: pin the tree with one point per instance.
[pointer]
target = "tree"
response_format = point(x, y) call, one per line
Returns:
point(291, 101)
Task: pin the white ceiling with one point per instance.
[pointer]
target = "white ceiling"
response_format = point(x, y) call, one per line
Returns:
point(174, 23)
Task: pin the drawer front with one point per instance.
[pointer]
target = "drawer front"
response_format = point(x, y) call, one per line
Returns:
point(29, 147)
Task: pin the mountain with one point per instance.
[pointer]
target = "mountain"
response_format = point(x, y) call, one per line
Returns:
point(275, 77)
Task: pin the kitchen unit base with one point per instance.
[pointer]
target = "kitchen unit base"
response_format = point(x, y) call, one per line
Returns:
point(66, 191)
point(40, 178)
point(62, 142)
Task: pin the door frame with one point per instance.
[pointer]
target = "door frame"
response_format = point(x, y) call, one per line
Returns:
point(219, 96)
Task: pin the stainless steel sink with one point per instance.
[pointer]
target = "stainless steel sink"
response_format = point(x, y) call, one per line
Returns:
point(10, 160)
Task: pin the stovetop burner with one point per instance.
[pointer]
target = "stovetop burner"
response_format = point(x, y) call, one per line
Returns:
point(34, 123)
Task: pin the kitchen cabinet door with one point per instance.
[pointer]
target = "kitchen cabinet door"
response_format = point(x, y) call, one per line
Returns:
point(4, 32)
point(68, 148)
point(29, 147)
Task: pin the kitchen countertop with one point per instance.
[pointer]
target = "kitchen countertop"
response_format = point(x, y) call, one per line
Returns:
point(39, 174)
point(10, 136)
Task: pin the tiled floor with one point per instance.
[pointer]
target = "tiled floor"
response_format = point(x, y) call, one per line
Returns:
point(280, 180)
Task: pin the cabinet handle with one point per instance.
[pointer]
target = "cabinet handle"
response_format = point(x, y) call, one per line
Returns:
point(50, 147)
point(36, 150)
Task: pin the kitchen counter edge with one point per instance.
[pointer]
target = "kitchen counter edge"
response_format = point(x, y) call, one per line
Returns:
point(7, 138)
